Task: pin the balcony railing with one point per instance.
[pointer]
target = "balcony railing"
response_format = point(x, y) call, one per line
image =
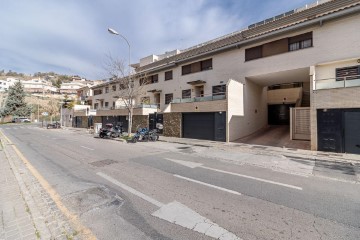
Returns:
point(153, 105)
point(205, 98)
point(339, 82)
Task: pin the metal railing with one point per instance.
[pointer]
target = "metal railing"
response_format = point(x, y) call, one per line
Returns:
point(339, 82)
point(152, 105)
point(204, 98)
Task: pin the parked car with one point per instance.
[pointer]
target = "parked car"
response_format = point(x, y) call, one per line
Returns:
point(24, 120)
point(20, 119)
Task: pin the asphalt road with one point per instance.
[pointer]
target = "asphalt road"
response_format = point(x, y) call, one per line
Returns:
point(173, 191)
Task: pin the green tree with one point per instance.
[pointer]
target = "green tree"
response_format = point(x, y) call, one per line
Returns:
point(15, 103)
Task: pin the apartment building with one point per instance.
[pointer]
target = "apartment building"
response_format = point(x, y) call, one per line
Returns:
point(300, 68)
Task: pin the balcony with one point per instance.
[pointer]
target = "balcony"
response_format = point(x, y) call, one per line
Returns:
point(210, 103)
point(141, 109)
point(200, 99)
point(339, 82)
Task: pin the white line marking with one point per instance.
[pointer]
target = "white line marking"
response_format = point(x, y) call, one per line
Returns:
point(185, 163)
point(131, 190)
point(87, 148)
point(253, 178)
point(195, 165)
point(208, 185)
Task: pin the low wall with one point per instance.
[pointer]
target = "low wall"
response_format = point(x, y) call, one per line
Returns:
point(172, 124)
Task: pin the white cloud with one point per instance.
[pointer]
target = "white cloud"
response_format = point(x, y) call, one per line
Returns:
point(70, 36)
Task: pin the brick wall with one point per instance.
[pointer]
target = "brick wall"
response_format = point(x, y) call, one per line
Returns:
point(140, 121)
point(172, 124)
point(206, 106)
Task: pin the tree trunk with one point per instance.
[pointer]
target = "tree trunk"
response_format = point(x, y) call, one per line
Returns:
point(130, 121)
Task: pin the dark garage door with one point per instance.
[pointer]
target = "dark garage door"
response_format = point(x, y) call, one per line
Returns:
point(352, 132)
point(207, 126)
point(329, 124)
point(279, 114)
point(339, 130)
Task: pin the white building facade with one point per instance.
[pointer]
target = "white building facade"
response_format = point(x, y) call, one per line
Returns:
point(300, 69)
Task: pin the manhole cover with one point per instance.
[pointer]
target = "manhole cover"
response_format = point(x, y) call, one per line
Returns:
point(103, 163)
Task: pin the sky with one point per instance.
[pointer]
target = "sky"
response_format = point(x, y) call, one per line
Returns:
point(70, 36)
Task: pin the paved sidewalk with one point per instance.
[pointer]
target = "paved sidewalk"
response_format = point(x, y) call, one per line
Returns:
point(26, 210)
point(252, 148)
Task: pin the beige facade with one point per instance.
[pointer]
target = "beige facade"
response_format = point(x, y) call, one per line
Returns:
point(301, 48)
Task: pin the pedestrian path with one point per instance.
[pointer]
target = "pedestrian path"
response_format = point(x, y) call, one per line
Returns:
point(26, 210)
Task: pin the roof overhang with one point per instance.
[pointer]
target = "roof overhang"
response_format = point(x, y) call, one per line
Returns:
point(155, 91)
point(196, 82)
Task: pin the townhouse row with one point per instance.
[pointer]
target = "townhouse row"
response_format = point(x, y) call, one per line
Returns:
point(300, 69)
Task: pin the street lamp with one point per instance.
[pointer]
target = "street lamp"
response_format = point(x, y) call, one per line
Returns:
point(112, 31)
point(130, 82)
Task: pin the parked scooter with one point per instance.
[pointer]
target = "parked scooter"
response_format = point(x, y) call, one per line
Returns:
point(53, 125)
point(117, 131)
point(106, 131)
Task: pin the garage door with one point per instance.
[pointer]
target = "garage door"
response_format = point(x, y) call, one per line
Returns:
point(339, 130)
point(279, 114)
point(352, 132)
point(207, 126)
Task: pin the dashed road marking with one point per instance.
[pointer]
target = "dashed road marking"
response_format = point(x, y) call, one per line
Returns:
point(87, 148)
point(200, 165)
point(207, 184)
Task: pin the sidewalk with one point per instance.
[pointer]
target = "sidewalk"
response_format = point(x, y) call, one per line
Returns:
point(257, 149)
point(26, 210)
point(265, 150)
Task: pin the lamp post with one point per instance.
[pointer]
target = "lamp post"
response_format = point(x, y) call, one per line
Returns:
point(130, 82)
point(112, 31)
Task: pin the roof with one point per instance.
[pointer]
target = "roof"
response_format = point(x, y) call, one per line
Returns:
point(275, 24)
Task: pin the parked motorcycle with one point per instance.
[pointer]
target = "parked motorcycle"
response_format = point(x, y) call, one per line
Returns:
point(53, 125)
point(106, 130)
point(117, 131)
point(143, 134)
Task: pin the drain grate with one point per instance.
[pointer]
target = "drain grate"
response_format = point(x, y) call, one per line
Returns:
point(103, 163)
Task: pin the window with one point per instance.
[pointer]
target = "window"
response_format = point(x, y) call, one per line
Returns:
point(145, 100)
point(186, 69)
point(168, 98)
point(280, 46)
point(197, 67)
point(149, 80)
point(300, 42)
point(106, 89)
point(348, 73)
point(168, 75)
point(219, 90)
point(113, 88)
point(97, 91)
point(186, 93)
point(96, 105)
point(122, 86)
point(206, 65)
point(253, 53)
point(113, 105)
point(106, 104)
point(154, 78)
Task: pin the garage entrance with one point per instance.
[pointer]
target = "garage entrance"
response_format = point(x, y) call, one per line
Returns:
point(279, 114)
point(206, 126)
point(339, 130)
point(115, 120)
